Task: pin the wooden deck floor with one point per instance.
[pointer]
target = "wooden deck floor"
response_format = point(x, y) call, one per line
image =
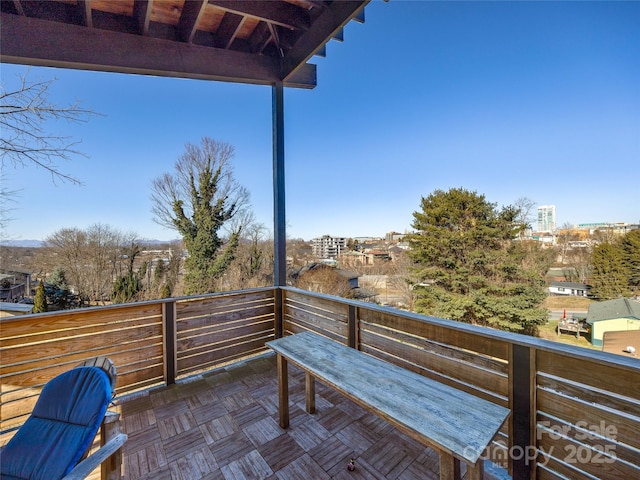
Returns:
point(224, 425)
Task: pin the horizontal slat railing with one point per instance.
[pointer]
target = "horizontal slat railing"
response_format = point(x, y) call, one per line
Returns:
point(206, 332)
point(217, 330)
point(575, 412)
point(318, 313)
point(587, 415)
point(36, 348)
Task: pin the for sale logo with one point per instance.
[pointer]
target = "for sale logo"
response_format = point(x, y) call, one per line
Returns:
point(600, 439)
point(599, 445)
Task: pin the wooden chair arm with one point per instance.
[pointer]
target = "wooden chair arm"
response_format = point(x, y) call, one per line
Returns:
point(89, 464)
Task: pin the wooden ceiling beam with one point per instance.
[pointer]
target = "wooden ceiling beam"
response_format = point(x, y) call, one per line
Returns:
point(282, 14)
point(191, 14)
point(142, 15)
point(260, 37)
point(85, 8)
point(74, 46)
point(228, 30)
point(17, 4)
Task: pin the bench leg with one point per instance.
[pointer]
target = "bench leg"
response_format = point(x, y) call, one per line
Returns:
point(475, 472)
point(311, 393)
point(449, 467)
point(283, 391)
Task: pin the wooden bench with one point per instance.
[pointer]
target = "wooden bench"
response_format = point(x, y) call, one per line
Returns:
point(456, 424)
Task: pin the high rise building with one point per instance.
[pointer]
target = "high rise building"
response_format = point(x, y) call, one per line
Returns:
point(328, 246)
point(546, 218)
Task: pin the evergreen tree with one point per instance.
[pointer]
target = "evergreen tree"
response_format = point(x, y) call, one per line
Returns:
point(610, 276)
point(126, 288)
point(40, 299)
point(57, 290)
point(630, 245)
point(165, 291)
point(158, 274)
point(468, 268)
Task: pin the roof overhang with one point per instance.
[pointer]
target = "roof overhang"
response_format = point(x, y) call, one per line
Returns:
point(282, 36)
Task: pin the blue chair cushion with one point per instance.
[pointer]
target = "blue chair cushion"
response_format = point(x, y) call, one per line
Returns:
point(61, 427)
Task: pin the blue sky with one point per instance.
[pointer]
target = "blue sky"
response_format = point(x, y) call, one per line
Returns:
point(509, 99)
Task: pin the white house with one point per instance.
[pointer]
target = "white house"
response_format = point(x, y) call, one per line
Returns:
point(569, 288)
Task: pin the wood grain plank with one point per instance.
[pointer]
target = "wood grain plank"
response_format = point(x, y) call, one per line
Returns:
point(576, 412)
point(447, 366)
point(609, 376)
point(228, 334)
point(316, 323)
point(446, 335)
point(30, 325)
point(221, 319)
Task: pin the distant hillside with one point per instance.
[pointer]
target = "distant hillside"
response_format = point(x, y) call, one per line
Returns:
point(22, 243)
point(38, 243)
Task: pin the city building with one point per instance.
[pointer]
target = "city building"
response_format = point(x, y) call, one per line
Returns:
point(328, 246)
point(616, 228)
point(546, 218)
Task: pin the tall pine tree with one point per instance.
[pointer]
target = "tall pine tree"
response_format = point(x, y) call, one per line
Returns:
point(630, 245)
point(610, 275)
point(470, 269)
point(40, 299)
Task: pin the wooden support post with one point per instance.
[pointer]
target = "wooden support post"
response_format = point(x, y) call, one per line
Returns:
point(475, 472)
point(283, 391)
point(449, 467)
point(522, 394)
point(111, 468)
point(170, 342)
point(311, 393)
point(352, 323)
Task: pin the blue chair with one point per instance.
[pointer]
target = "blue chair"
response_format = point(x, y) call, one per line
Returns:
point(56, 437)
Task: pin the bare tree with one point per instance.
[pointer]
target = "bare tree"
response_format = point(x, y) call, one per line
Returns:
point(253, 265)
point(24, 117)
point(91, 258)
point(198, 199)
point(402, 280)
point(178, 186)
point(524, 214)
point(7, 201)
point(324, 279)
point(579, 263)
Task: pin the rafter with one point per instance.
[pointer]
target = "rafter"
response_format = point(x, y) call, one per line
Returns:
point(228, 30)
point(17, 4)
point(85, 7)
point(191, 14)
point(260, 37)
point(283, 14)
point(142, 15)
point(93, 35)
